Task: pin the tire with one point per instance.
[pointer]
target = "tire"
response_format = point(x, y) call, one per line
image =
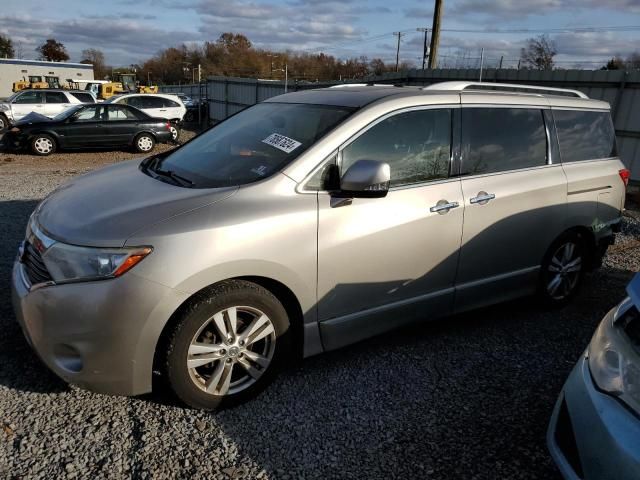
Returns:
point(43, 145)
point(175, 132)
point(260, 343)
point(563, 269)
point(144, 143)
point(4, 123)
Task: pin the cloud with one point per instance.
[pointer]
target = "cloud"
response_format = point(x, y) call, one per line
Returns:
point(519, 9)
point(298, 24)
point(122, 40)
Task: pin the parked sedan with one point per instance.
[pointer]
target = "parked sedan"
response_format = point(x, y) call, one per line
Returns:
point(89, 126)
point(595, 428)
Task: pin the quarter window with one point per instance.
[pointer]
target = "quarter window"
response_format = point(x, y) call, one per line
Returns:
point(585, 135)
point(501, 139)
point(416, 145)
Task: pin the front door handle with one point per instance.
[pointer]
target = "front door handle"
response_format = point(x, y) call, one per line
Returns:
point(482, 198)
point(443, 206)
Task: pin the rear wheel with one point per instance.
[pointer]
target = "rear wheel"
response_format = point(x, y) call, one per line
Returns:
point(227, 346)
point(43, 145)
point(175, 131)
point(563, 269)
point(144, 143)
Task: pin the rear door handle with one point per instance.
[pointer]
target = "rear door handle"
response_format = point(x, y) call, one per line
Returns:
point(482, 198)
point(443, 206)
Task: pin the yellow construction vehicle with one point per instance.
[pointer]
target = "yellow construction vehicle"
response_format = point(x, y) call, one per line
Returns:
point(33, 82)
point(147, 89)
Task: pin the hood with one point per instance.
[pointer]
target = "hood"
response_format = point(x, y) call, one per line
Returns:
point(107, 206)
point(33, 117)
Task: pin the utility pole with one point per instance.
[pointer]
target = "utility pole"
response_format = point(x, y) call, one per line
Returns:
point(501, 59)
point(481, 62)
point(399, 35)
point(435, 34)
point(425, 49)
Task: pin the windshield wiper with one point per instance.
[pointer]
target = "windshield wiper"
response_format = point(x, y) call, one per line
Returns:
point(180, 180)
point(151, 164)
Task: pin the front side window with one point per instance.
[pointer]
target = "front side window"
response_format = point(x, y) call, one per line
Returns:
point(29, 97)
point(253, 144)
point(585, 135)
point(501, 139)
point(416, 145)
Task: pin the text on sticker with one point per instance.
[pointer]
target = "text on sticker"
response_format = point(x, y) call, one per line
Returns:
point(281, 142)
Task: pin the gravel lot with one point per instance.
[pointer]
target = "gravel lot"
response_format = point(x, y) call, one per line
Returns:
point(465, 397)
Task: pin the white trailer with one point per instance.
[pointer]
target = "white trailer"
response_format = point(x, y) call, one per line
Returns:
point(54, 73)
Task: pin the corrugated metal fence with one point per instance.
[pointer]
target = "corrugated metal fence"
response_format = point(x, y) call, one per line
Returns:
point(228, 95)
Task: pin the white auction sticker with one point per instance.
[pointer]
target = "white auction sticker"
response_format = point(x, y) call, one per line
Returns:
point(281, 142)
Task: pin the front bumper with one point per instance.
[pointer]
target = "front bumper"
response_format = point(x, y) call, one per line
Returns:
point(98, 335)
point(592, 436)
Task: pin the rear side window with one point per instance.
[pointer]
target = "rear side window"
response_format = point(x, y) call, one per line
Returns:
point(168, 103)
point(151, 102)
point(501, 139)
point(416, 145)
point(56, 97)
point(83, 97)
point(585, 135)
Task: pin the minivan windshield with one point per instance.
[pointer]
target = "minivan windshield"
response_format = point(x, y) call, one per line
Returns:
point(250, 145)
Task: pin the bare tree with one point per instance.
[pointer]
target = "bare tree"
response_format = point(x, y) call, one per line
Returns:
point(539, 53)
point(95, 57)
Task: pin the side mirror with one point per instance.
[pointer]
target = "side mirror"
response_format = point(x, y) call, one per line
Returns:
point(366, 179)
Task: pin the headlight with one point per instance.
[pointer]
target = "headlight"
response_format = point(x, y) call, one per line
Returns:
point(69, 263)
point(4, 107)
point(614, 362)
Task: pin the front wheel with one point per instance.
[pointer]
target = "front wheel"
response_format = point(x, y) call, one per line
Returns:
point(227, 346)
point(563, 269)
point(144, 143)
point(4, 123)
point(43, 145)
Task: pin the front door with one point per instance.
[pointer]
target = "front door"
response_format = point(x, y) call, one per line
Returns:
point(27, 102)
point(515, 203)
point(383, 262)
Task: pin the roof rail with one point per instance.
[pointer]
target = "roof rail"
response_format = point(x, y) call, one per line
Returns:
point(505, 87)
point(346, 85)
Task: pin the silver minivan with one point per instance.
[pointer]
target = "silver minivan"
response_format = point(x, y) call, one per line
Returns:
point(311, 221)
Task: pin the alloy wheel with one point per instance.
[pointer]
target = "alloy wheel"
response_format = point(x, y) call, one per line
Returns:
point(564, 270)
point(174, 133)
point(145, 143)
point(43, 145)
point(231, 350)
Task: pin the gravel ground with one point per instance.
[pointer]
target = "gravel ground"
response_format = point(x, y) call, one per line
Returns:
point(466, 397)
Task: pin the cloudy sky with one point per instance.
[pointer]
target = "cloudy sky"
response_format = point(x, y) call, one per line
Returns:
point(129, 31)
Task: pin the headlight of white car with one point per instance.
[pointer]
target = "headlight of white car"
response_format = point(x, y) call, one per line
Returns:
point(4, 107)
point(70, 263)
point(613, 359)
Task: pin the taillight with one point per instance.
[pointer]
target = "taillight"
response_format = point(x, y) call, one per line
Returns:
point(624, 175)
point(169, 126)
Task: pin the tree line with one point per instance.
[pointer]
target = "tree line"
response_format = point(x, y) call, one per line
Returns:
point(233, 54)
